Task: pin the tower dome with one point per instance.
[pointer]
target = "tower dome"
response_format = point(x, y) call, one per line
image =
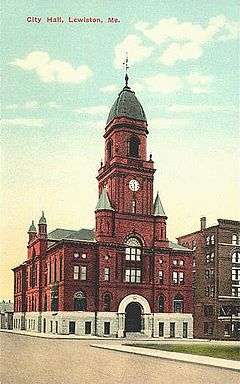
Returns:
point(127, 105)
point(42, 219)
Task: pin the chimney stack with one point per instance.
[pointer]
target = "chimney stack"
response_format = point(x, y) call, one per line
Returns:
point(203, 222)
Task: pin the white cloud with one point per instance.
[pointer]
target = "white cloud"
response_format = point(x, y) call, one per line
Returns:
point(134, 45)
point(170, 29)
point(94, 110)
point(186, 39)
point(23, 122)
point(109, 88)
point(185, 108)
point(163, 83)
point(166, 84)
point(50, 70)
point(27, 105)
point(177, 52)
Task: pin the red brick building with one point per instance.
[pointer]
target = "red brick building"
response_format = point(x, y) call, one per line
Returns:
point(216, 280)
point(123, 276)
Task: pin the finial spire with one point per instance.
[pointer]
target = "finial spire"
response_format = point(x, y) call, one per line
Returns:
point(126, 67)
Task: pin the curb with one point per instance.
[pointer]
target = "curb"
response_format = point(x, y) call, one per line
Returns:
point(185, 358)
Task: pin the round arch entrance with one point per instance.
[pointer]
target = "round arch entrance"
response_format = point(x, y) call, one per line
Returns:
point(133, 317)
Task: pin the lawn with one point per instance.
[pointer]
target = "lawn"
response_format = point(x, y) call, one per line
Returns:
point(230, 352)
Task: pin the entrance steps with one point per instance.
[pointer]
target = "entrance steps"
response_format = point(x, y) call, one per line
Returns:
point(136, 336)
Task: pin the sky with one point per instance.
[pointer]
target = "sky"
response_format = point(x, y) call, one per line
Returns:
point(59, 82)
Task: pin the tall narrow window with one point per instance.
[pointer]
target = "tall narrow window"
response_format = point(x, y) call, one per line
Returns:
point(54, 300)
point(134, 147)
point(234, 239)
point(76, 272)
point(178, 304)
point(80, 303)
point(161, 304)
point(83, 272)
point(109, 150)
point(160, 275)
point(133, 206)
point(212, 239)
point(107, 274)
point(172, 329)
point(185, 330)
point(161, 329)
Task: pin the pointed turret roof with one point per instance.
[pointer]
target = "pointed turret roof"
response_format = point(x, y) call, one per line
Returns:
point(103, 201)
point(42, 219)
point(32, 228)
point(158, 208)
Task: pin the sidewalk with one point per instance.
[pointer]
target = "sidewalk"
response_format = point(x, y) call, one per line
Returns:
point(56, 336)
point(187, 358)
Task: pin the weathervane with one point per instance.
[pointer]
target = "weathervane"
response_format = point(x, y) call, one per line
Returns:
point(125, 65)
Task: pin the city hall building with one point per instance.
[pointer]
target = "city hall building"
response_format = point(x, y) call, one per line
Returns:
point(124, 276)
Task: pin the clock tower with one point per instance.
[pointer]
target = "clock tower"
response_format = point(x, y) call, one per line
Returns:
point(126, 177)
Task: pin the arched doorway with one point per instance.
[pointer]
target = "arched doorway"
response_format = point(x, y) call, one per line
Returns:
point(133, 317)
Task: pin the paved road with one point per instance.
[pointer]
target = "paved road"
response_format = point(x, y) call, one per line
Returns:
point(28, 360)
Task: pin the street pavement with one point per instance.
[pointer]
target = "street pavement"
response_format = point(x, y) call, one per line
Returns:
point(31, 360)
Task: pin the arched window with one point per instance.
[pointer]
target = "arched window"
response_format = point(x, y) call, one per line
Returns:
point(161, 304)
point(133, 251)
point(236, 257)
point(134, 147)
point(234, 239)
point(109, 150)
point(178, 304)
point(80, 302)
point(107, 302)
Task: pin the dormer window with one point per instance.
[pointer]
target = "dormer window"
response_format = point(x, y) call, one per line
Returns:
point(134, 147)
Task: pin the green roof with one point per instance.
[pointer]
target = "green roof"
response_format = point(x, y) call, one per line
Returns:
point(42, 219)
point(178, 247)
point(127, 105)
point(104, 202)
point(32, 228)
point(82, 234)
point(158, 208)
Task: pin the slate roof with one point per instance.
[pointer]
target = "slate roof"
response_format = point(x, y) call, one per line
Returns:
point(103, 201)
point(158, 208)
point(178, 247)
point(82, 234)
point(89, 235)
point(127, 105)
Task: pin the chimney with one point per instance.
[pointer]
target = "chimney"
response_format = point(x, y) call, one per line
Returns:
point(203, 221)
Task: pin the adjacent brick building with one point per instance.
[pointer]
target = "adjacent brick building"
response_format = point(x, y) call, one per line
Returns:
point(123, 276)
point(216, 279)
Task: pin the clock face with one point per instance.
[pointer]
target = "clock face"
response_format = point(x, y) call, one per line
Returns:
point(134, 185)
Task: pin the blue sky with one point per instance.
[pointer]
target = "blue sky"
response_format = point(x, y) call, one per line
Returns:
point(60, 80)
